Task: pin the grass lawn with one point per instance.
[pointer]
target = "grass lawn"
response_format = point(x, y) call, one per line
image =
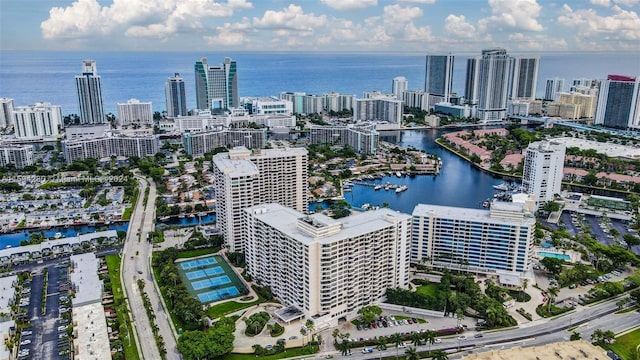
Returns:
point(185, 254)
point(428, 290)
point(113, 264)
point(126, 215)
point(624, 344)
point(293, 352)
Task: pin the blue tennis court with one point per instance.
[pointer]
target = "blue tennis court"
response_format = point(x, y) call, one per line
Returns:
point(193, 264)
point(215, 295)
point(211, 282)
point(196, 274)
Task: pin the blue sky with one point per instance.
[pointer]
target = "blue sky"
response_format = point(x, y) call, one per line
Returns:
point(320, 25)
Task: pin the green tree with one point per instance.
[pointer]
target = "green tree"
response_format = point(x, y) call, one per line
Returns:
point(631, 240)
point(396, 339)
point(345, 347)
point(552, 265)
point(551, 206)
point(575, 336)
point(430, 337)
point(369, 313)
point(411, 353)
point(439, 355)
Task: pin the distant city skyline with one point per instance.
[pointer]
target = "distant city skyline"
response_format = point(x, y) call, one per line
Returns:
point(326, 25)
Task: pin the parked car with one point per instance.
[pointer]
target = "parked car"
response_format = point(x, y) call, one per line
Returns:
point(367, 350)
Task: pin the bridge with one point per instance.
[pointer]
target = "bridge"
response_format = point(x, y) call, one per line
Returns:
point(574, 124)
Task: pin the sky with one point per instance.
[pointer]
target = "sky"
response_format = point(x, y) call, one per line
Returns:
point(403, 26)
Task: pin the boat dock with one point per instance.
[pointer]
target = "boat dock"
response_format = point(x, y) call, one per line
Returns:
point(379, 186)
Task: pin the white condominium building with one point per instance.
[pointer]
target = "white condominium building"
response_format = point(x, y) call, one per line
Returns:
point(363, 139)
point(18, 155)
point(338, 102)
point(40, 120)
point(134, 112)
point(497, 241)
point(267, 106)
point(245, 179)
point(103, 147)
point(327, 268)
point(378, 109)
point(197, 144)
point(543, 170)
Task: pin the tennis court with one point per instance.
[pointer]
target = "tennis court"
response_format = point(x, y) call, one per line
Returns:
point(193, 264)
point(210, 279)
point(196, 274)
point(215, 295)
point(210, 282)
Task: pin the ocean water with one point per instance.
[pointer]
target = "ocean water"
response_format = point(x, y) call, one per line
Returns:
point(28, 77)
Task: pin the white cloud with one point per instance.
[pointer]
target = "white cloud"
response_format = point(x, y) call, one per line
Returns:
point(350, 4)
point(628, 3)
point(429, 2)
point(153, 18)
point(290, 18)
point(605, 3)
point(622, 25)
point(516, 14)
point(459, 27)
point(398, 24)
point(230, 35)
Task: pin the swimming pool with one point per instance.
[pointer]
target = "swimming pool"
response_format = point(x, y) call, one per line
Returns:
point(565, 257)
point(210, 282)
point(196, 274)
point(215, 295)
point(192, 264)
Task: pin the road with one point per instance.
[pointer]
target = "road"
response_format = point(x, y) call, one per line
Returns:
point(136, 265)
point(532, 334)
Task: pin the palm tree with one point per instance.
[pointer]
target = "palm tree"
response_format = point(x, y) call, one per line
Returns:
point(430, 337)
point(411, 353)
point(335, 335)
point(345, 347)
point(309, 325)
point(597, 336)
point(439, 355)
point(381, 344)
point(303, 332)
point(416, 338)
point(552, 292)
point(397, 340)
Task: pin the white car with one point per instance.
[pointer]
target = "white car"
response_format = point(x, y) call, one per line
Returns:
point(437, 341)
point(25, 342)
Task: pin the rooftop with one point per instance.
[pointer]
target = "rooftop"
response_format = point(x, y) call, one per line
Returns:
point(563, 350)
point(85, 279)
point(610, 149)
point(92, 339)
point(478, 215)
point(7, 292)
point(57, 242)
point(286, 220)
point(5, 328)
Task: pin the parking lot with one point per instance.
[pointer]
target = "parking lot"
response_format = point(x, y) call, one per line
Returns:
point(46, 335)
point(599, 226)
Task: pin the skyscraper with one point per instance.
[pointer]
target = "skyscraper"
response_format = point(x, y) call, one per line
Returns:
point(619, 102)
point(89, 89)
point(6, 112)
point(134, 112)
point(216, 85)
point(438, 78)
point(40, 120)
point(543, 170)
point(471, 84)
point(398, 86)
point(523, 77)
point(175, 95)
point(493, 81)
point(554, 86)
point(245, 179)
point(496, 242)
point(328, 268)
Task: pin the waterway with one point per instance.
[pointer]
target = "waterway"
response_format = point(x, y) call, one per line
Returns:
point(458, 184)
point(13, 239)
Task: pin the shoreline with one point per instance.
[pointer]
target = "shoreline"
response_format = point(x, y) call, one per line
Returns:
point(33, 229)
